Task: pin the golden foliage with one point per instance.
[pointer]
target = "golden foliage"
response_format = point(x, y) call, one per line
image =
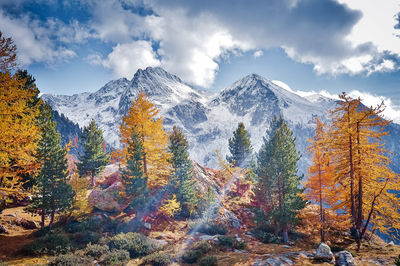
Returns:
point(170, 206)
point(144, 117)
point(311, 221)
point(81, 204)
point(18, 134)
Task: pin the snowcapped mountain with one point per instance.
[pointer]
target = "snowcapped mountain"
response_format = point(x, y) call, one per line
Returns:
point(207, 120)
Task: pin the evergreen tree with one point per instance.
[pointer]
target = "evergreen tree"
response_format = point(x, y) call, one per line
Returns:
point(94, 159)
point(240, 147)
point(53, 194)
point(132, 176)
point(278, 182)
point(182, 180)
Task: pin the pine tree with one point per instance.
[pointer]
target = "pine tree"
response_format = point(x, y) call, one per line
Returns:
point(143, 116)
point(278, 186)
point(132, 175)
point(182, 181)
point(94, 159)
point(240, 147)
point(53, 194)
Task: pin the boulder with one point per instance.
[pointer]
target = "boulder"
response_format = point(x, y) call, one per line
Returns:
point(26, 224)
point(107, 199)
point(3, 230)
point(324, 253)
point(344, 258)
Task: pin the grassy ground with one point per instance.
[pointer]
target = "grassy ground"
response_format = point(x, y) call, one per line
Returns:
point(175, 233)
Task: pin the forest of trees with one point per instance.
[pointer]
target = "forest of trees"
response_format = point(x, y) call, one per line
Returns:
point(350, 178)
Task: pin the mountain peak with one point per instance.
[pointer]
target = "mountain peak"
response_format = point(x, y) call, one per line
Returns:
point(151, 73)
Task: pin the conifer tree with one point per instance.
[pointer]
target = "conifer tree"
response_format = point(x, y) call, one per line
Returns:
point(132, 175)
point(53, 194)
point(143, 116)
point(240, 147)
point(94, 159)
point(278, 187)
point(182, 180)
point(18, 129)
point(320, 184)
point(362, 167)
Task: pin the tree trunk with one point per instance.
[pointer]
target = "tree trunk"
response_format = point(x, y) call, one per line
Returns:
point(52, 218)
point(92, 180)
point(43, 217)
point(285, 234)
point(276, 228)
point(353, 211)
point(321, 210)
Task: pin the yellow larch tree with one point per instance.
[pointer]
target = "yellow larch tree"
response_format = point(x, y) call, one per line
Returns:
point(144, 117)
point(319, 186)
point(18, 130)
point(362, 168)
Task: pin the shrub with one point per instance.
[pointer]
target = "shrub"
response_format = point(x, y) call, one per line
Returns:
point(230, 242)
point(158, 258)
point(69, 259)
point(212, 229)
point(240, 245)
point(87, 237)
point(43, 231)
point(192, 256)
point(51, 244)
point(115, 257)
point(199, 249)
point(209, 261)
point(265, 237)
point(397, 261)
point(225, 241)
point(137, 244)
point(96, 251)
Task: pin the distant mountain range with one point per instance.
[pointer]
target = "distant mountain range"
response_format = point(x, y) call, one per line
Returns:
point(207, 120)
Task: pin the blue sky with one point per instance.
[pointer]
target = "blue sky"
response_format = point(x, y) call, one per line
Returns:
point(311, 45)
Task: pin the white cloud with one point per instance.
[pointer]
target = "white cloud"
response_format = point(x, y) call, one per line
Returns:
point(38, 41)
point(125, 59)
point(258, 53)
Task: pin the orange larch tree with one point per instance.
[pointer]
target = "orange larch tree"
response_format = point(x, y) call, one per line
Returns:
point(18, 130)
point(362, 168)
point(320, 184)
point(144, 117)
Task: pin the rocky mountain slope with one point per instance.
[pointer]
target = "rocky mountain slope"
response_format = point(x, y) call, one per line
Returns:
point(207, 120)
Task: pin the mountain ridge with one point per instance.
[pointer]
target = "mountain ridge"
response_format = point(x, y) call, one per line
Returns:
point(207, 120)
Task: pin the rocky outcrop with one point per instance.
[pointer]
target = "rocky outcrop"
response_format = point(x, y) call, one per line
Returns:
point(344, 258)
point(26, 224)
point(324, 253)
point(3, 230)
point(107, 199)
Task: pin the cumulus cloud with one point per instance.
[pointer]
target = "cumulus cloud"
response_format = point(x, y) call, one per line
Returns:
point(39, 41)
point(126, 58)
point(191, 38)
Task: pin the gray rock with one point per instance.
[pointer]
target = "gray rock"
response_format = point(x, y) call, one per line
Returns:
point(324, 253)
point(26, 224)
point(344, 258)
point(147, 226)
point(3, 230)
point(160, 243)
point(206, 237)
